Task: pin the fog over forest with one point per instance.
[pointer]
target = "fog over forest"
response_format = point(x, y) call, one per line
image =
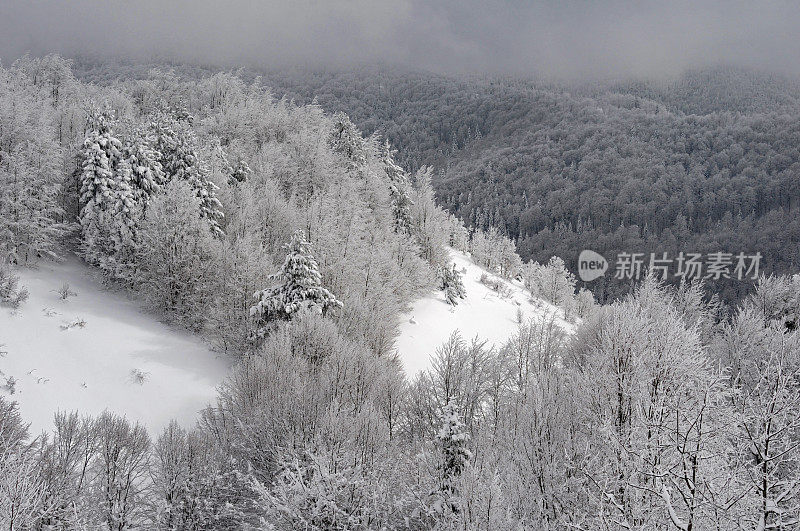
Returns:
point(567, 40)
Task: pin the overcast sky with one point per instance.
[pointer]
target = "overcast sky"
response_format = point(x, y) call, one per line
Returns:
point(568, 39)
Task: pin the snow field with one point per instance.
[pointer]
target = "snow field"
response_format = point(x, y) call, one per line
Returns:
point(97, 350)
point(484, 313)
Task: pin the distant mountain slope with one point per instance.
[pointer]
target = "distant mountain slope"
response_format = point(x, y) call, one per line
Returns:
point(701, 164)
point(79, 355)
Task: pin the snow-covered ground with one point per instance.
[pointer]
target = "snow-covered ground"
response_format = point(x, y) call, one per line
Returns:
point(484, 313)
point(89, 368)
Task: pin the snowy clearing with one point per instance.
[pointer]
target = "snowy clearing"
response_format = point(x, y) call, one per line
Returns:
point(484, 313)
point(97, 350)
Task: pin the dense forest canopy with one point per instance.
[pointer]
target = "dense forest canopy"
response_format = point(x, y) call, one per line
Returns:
point(292, 242)
point(705, 163)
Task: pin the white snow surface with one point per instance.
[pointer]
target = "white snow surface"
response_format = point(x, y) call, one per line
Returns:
point(89, 369)
point(484, 313)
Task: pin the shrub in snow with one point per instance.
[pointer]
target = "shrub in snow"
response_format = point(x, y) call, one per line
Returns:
point(450, 282)
point(495, 285)
point(78, 323)
point(299, 287)
point(65, 292)
point(138, 376)
point(10, 291)
point(11, 385)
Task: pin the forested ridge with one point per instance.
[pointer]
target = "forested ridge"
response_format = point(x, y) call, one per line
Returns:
point(292, 241)
point(704, 163)
point(701, 164)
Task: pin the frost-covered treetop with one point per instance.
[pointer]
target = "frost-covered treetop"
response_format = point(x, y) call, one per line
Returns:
point(299, 286)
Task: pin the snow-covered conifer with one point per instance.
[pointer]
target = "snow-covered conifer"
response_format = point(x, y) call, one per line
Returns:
point(239, 172)
point(452, 439)
point(451, 284)
point(348, 140)
point(107, 201)
point(398, 189)
point(147, 176)
point(176, 144)
point(299, 286)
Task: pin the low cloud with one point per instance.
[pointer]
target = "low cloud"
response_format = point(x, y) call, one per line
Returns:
point(564, 39)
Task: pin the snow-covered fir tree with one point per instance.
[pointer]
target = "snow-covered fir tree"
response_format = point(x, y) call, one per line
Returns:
point(240, 172)
point(452, 439)
point(299, 287)
point(147, 176)
point(398, 189)
point(451, 284)
point(177, 144)
point(107, 213)
point(348, 140)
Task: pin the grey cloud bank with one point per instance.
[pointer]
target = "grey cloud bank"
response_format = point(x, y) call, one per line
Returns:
point(568, 39)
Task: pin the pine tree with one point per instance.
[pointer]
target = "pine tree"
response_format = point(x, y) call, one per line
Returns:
point(452, 440)
point(299, 287)
point(398, 190)
point(451, 284)
point(176, 145)
point(106, 197)
point(147, 176)
point(240, 172)
point(348, 140)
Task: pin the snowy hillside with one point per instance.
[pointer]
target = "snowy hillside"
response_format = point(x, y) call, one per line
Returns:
point(484, 313)
point(97, 350)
